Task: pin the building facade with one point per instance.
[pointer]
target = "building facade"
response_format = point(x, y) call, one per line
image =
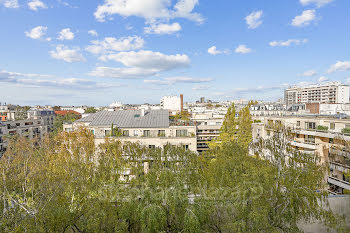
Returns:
point(149, 128)
point(333, 93)
point(329, 137)
point(172, 103)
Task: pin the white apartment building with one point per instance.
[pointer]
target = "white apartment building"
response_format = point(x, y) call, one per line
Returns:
point(172, 103)
point(151, 128)
point(333, 93)
point(316, 134)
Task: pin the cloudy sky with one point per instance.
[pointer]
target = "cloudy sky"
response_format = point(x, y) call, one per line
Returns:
point(70, 52)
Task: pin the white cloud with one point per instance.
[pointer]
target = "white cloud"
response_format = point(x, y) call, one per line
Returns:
point(174, 80)
point(322, 79)
point(214, 51)
point(122, 73)
point(111, 44)
point(254, 19)
point(243, 49)
point(36, 4)
point(66, 34)
point(162, 28)
point(340, 66)
point(200, 88)
point(66, 54)
point(11, 4)
point(304, 19)
point(93, 33)
point(151, 10)
point(309, 73)
point(287, 43)
point(318, 3)
point(150, 60)
point(37, 32)
point(39, 80)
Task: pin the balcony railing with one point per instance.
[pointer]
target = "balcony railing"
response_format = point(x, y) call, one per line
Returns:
point(337, 165)
point(340, 183)
point(339, 152)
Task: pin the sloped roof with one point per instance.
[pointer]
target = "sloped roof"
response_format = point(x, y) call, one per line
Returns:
point(65, 112)
point(129, 119)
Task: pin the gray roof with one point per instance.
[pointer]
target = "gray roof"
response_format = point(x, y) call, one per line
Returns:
point(129, 119)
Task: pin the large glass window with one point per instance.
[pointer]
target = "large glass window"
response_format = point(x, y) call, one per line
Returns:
point(181, 133)
point(161, 133)
point(310, 125)
point(126, 133)
point(146, 133)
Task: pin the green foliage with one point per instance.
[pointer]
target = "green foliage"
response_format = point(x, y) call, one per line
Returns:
point(90, 110)
point(116, 132)
point(346, 130)
point(322, 128)
point(66, 184)
point(184, 115)
point(21, 112)
point(59, 120)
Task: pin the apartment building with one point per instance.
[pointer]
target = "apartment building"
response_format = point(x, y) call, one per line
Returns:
point(326, 136)
point(48, 116)
point(151, 128)
point(172, 103)
point(333, 92)
point(29, 128)
point(208, 128)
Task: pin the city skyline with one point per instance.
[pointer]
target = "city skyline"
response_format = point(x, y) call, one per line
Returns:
point(96, 52)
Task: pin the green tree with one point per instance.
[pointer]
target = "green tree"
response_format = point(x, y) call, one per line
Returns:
point(60, 119)
point(90, 110)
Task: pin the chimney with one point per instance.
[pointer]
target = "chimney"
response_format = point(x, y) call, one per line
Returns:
point(182, 102)
point(142, 112)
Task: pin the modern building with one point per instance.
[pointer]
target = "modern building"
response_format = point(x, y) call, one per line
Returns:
point(332, 93)
point(327, 136)
point(151, 128)
point(208, 129)
point(29, 128)
point(48, 116)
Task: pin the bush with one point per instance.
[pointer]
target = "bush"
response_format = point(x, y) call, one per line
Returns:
point(322, 128)
point(346, 130)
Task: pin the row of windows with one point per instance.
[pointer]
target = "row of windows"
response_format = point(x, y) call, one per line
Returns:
point(147, 133)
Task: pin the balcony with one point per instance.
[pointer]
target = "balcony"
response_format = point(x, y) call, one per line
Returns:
point(339, 166)
point(340, 183)
point(335, 151)
point(306, 145)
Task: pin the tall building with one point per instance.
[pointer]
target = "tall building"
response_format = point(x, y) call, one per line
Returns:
point(332, 93)
point(171, 103)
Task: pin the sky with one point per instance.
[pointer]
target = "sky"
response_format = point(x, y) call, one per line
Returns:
point(88, 52)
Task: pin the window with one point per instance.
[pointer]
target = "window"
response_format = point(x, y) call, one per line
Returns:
point(108, 133)
point(136, 133)
point(92, 131)
point(161, 133)
point(310, 125)
point(268, 132)
point(298, 123)
point(332, 126)
point(18, 124)
point(126, 133)
point(309, 139)
point(29, 123)
point(152, 146)
point(185, 147)
point(146, 133)
point(181, 133)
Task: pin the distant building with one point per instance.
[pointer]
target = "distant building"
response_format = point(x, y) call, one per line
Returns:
point(202, 100)
point(171, 103)
point(331, 93)
point(29, 128)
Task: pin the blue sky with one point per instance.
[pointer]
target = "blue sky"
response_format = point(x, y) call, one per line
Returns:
point(72, 52)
